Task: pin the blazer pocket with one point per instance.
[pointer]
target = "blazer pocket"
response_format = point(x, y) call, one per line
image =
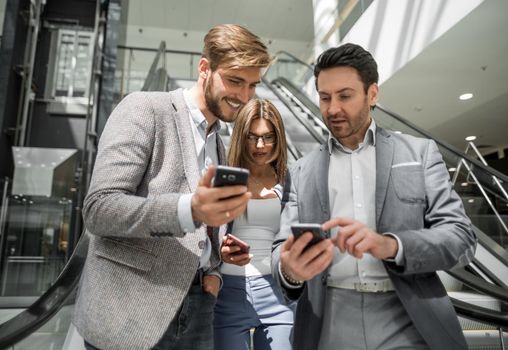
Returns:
point(125, 254)
point(408, 183)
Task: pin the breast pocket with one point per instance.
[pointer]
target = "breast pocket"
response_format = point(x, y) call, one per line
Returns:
point(408, 183)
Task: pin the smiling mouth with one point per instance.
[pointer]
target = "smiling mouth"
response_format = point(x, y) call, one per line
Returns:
point(233, 104)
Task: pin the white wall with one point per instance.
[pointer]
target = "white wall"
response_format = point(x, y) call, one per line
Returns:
point(395, 31)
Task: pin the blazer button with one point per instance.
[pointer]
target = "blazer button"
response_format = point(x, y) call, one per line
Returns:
point(201, 244)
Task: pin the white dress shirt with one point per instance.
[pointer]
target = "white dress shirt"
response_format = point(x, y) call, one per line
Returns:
point(352, 194)
point(206, 151)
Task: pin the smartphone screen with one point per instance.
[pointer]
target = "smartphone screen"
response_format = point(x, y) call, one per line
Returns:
point(317, 232)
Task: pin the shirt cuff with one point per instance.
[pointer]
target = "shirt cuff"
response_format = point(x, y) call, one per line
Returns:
point(400, 252)
point(185, 213)
point(286, 284)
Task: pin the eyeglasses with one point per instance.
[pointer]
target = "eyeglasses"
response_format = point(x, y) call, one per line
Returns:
point(268, 139)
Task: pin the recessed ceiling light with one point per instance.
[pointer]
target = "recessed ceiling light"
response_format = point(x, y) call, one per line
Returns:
point(470, 138)
point(464, 184)
point(451, 170)
point(466, 96)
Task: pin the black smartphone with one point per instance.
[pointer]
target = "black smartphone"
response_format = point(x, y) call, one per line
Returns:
point(229, 176)
point(317, 232)
point(230, 240)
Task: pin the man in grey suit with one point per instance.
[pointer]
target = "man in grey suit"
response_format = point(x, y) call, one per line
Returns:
point(387, 204)
point(151, 276)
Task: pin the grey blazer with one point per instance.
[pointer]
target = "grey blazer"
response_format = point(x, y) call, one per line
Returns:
point(415, 201)
point(140, 264)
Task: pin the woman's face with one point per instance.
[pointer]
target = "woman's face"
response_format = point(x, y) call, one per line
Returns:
point(261, 141)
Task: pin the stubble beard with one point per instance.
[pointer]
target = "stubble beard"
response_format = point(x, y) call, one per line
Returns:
point(212, 102)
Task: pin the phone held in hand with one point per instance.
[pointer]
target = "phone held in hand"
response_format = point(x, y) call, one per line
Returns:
point(230, 176)
point(317, 232)
point(230, 240)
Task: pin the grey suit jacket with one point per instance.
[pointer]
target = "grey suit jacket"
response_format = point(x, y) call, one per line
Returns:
point(140, 264)
point(415, 201)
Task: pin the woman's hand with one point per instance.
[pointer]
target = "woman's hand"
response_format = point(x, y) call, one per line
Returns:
point(230, 254)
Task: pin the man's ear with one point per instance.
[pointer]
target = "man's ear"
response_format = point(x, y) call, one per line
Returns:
point(203, 67)
point(373, 94)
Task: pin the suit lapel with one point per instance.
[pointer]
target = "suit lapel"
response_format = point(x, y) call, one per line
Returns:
point(384, 157)
point(187, 146)
point(320, 174)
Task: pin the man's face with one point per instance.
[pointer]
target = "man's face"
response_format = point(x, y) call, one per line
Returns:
point(228, 90)
point(344, 104)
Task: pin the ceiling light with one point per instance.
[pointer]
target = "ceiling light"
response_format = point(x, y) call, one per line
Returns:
point(464, 184)
point(466, 96)
point(471, 138)
point(451, 170)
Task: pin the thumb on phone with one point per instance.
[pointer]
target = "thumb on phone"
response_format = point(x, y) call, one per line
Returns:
point(206, 180)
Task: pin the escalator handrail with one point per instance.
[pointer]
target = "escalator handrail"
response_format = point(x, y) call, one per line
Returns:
point(481, 314)
point(300, 96)
point(320, 139)
point(47, 305)
point(294, 58)
point(448, 147)
point(479, 284)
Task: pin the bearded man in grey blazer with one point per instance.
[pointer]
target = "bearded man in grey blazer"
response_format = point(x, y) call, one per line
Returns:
point(151, 276)
point(372, 284)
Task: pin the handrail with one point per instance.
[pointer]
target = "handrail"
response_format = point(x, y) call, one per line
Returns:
point(294, 58)
point(47, 305)
point(445, 145)
point(139, 48)
point(479, 284)
point(480, 314)
point(304, 123)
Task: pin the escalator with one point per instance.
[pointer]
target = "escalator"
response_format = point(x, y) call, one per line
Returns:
point(479, 291)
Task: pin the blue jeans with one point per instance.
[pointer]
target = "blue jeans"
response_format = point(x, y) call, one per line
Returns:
point(192, 327)
point(246, 303)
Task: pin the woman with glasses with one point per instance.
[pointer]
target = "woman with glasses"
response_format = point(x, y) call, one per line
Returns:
point(249, 299)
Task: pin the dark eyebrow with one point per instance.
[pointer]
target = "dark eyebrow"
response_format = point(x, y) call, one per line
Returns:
point(347, 89)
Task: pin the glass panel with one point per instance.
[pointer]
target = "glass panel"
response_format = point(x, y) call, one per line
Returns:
point(64, 65)
point(73, 64)
point(134, 66)
point(290, 68)
point(83, 66)
point(35, 243)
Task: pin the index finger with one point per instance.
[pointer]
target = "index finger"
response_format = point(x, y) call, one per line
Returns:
point(206, 180)
point(336, 222)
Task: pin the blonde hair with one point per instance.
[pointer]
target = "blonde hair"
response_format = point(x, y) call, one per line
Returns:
point(238, 154)
point(234, 46)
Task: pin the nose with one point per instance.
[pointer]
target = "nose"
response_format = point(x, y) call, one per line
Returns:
point(260, 143)
point(335, 107)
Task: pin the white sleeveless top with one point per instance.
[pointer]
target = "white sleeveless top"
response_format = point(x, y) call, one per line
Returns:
point(258, 227)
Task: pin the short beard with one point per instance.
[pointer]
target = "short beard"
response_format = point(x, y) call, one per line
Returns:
point(212, 104)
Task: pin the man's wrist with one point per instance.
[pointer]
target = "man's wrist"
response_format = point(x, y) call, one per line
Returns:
point(289, 279)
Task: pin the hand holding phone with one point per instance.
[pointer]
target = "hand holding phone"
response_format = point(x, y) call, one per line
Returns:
point(230, 176)
point(230, 240)
point(317, 233)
